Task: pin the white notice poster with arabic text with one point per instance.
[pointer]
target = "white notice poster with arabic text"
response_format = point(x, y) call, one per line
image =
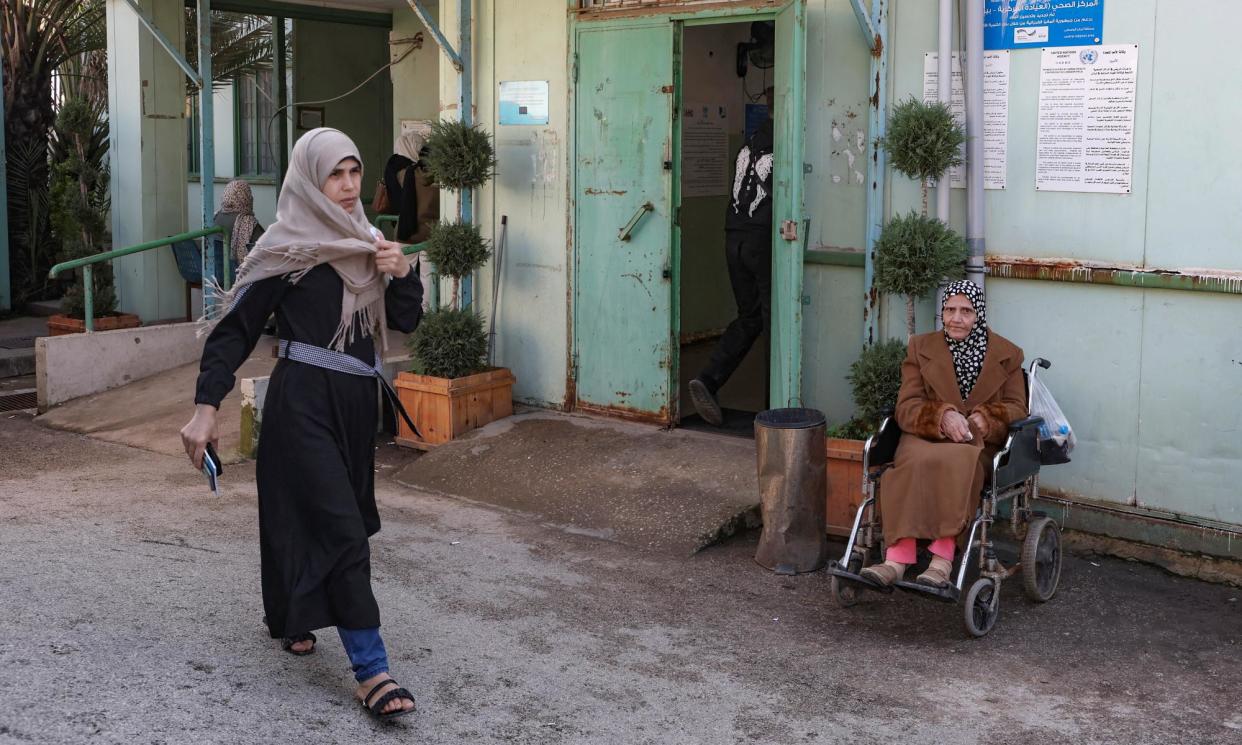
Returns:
point(995, 112)
point(1086, 118)
point(704, 150)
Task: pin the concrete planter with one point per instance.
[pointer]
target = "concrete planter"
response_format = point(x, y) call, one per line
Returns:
point(446, 408)
point(845, 489)
point(60, 324)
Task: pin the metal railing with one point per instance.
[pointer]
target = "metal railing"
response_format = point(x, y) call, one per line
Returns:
point(86, 264)
point(413, 248)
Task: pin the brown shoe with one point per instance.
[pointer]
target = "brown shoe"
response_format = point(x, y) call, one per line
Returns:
point(884, 574)
point(937, 574)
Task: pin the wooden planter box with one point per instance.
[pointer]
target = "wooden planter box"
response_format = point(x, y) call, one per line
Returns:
point(59, 325)
point(845, 478)
point(444, 409)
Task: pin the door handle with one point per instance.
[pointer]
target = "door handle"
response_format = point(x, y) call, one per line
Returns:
point(633, 223)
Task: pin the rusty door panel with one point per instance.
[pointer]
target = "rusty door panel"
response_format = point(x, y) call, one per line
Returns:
point(788, 212)
point(623, 292)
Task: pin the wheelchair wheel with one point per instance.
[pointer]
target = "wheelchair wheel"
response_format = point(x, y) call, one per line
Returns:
point(846, 593)
point(1041, 559)
point(982, 606)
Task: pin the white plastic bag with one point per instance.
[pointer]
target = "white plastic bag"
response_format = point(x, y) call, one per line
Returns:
point(1056, 436)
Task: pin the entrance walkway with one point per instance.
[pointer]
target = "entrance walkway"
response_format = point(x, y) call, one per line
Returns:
point(648, 488)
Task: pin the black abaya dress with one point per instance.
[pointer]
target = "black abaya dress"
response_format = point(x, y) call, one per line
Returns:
point(316, 458)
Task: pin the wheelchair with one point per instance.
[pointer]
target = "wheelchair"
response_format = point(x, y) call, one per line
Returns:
point(1012, 478)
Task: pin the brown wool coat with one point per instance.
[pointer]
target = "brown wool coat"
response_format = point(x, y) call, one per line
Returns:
point(932, 490)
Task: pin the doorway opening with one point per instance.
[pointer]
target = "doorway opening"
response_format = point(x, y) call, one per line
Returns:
point(726, 68)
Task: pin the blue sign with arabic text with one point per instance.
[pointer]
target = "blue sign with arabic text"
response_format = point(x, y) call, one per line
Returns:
point(1018, 24)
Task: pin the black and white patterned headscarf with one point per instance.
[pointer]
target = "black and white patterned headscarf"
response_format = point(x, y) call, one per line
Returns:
point(968, 353)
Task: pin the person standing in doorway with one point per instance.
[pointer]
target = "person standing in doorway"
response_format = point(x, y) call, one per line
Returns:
point(748, 251)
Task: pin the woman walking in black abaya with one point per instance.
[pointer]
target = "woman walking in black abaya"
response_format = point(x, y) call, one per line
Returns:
point(335, 287)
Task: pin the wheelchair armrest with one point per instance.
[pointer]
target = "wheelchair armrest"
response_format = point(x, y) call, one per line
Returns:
point(1019, 460)
point(1030, 422)
point(881, 447)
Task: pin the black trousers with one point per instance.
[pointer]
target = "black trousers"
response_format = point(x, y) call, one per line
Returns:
point(749, 255)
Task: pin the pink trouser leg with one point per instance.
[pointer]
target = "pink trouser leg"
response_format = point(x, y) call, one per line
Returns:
point(901, 552)
point(944, 547)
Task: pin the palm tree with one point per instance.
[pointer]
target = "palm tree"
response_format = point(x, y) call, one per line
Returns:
point(53, 52)
point(39, 36)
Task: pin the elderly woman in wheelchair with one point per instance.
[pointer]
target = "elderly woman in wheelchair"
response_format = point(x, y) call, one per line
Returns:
point(959, 444)
point(960, 389)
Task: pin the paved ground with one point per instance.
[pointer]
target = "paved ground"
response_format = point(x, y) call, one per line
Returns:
point(149, 413)
point(665, 491)
point(131, 614)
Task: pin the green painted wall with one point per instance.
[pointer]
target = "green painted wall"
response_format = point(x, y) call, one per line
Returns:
point(1151, 379)
point(522, 41)
point(331, 59)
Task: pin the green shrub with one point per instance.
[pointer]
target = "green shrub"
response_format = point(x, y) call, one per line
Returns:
point(923, 141)
point(875, 379)
point(450, 343)
point(456, 249)
point(913, 254)
point(79, 204)
point(459, 157)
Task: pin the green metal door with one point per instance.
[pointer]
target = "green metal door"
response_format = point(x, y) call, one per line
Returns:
point(623, 299)
point(788, 212)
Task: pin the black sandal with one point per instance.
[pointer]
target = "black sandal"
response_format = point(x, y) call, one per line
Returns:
point(288, 642)
point(377, 709)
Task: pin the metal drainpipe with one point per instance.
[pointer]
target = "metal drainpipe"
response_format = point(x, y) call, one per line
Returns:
point(973, 85)
point(207, 154)
point(876, 165)
point(944, 73)
point(465, 109)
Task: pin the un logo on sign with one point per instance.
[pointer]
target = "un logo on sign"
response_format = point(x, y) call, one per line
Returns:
point(1088, 56)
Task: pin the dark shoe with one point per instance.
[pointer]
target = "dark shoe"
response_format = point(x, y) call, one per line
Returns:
point(395, 691)
point(288, 642)
point(705, 403)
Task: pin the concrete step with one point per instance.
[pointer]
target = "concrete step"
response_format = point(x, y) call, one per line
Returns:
point(17, 344)
point(43, 308)
point(15, 362)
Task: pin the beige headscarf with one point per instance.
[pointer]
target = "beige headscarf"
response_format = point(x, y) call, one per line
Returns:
point(409, 144)
point(239, 201)
point(311, 229)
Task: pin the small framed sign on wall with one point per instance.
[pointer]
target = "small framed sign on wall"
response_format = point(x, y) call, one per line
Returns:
point(310, 117)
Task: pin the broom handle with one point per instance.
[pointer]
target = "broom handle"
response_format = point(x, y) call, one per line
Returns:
point(500, 263)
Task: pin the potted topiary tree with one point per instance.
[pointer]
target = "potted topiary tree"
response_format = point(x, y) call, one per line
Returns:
point(79, 205)
point(912, 255)
point(875, 378)
point(451, 390)
point(915, 253)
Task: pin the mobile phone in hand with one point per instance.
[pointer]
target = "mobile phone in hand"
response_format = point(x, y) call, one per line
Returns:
point(212, 468)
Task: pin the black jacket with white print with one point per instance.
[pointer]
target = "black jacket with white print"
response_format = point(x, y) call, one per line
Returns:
point(750, 207)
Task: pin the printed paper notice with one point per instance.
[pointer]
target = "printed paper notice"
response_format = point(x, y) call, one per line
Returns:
point(524, 102)
point(995, 112)
point(1086, 118)
point(704, 150)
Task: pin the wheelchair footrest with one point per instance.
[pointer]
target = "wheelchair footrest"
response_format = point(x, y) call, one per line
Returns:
point(837, 570)
point(947, 594)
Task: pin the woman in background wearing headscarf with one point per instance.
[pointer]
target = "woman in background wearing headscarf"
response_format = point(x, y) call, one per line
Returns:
point(411, 194)
point(335, 288)
point(236, 215)
point(960, 389)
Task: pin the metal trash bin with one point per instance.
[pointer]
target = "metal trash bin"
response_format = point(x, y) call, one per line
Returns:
point(792, 455)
